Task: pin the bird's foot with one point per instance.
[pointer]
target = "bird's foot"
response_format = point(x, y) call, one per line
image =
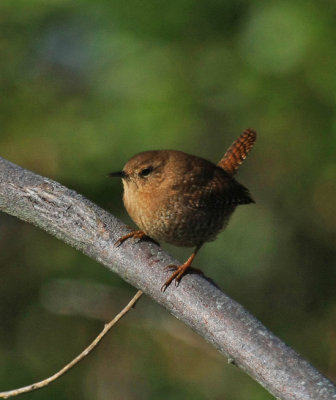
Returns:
point(176, 275)
point(134, 234)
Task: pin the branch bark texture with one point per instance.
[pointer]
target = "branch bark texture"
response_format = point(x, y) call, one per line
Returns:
point(197, 301)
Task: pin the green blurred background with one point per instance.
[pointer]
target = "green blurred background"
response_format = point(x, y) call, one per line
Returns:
point(87, 84)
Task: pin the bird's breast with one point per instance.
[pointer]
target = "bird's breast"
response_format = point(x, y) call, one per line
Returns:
point(174, 218)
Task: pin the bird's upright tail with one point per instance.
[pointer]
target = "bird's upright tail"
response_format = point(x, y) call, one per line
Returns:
point(237, 152)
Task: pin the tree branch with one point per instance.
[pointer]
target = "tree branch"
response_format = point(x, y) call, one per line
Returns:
point(198, 302)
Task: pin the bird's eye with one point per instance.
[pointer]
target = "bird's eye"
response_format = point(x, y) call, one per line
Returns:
point(146, 171)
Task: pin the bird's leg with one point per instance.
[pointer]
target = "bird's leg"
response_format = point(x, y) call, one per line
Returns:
point(179, 270)
point(134, 234)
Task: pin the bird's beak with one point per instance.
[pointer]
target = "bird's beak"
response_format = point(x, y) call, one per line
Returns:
point(118, 174)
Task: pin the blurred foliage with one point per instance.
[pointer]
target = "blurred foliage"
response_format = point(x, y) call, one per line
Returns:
point(84, 86)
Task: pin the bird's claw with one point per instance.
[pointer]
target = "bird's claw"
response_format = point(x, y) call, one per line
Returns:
point(134, 234)
point(176, 275)
point(170, 268)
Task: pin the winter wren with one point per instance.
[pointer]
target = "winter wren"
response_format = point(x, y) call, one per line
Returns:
point(183, 199)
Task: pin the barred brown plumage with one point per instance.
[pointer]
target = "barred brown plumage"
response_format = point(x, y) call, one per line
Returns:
point(237, 152)
point(182, 199)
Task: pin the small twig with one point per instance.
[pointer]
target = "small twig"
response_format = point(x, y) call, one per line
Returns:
point(83, 354)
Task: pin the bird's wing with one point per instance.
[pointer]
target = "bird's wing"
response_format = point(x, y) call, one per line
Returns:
point(221, 191)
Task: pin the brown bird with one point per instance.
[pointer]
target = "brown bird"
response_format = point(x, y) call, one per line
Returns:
point(182, 199)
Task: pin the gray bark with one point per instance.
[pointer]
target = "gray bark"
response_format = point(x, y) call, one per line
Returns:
point(197, 301)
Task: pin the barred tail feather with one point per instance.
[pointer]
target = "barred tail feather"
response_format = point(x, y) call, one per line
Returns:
point(237, 152)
